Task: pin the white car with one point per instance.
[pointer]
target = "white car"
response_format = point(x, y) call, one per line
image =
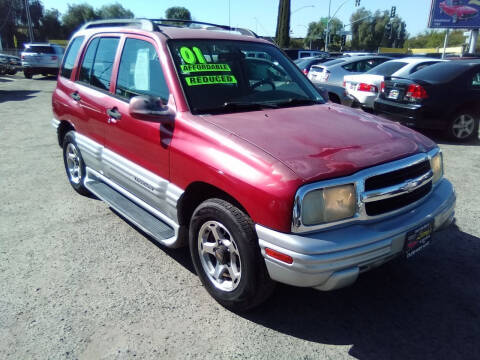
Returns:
point(364, 88)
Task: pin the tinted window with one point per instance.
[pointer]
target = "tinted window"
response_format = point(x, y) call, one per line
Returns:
point(140, 72)
point(40, 49)
point(441, 72)
point(363, 65)
point(71, 56)
point(98, 61)
point(333, 62)
point(388, 68)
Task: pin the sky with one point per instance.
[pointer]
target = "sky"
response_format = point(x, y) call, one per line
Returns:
point(261, 15)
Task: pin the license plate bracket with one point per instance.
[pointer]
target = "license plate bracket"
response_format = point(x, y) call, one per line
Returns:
point(418, 239)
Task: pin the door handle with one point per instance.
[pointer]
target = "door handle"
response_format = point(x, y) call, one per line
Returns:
point(75, 96)
point(114, 115)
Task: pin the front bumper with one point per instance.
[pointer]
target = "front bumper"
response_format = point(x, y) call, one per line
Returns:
point(332, 259)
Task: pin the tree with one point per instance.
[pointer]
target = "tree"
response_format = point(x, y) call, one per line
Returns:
point(76, 16)
point(283, 24)
point(316, 33)
point(434, 39)
point(370, 30)
point(50, 26)
point(114, 11)
point(178, 12)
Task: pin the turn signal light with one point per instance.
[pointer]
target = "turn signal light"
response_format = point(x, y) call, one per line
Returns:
point(415, 92)
point(382, 87)
point(305, 72)
point(367, 88)
point(279, 256)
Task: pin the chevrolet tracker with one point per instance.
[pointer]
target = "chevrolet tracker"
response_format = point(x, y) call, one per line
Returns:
point(185, 134)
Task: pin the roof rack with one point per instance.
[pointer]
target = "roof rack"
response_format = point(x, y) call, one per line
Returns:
point(154, 24)
point(143, 24)
point(202, 25)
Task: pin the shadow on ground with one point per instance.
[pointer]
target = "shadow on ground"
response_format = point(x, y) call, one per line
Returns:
point(16, 95)
point(4, 79)
point(426, 308)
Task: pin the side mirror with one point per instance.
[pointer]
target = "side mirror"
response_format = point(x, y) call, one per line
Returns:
point(323, 92)
point(150, 108)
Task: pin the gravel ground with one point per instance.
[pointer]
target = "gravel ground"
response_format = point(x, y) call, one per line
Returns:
point(77, 281)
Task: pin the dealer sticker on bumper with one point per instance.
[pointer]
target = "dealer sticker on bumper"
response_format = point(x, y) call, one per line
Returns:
point(418, 239)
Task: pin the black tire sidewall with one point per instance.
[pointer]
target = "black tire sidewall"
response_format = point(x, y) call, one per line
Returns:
point(249, 253)
point(70, 139)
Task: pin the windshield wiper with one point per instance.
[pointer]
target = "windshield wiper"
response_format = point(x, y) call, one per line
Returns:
point(237, 106)
point(297, 101)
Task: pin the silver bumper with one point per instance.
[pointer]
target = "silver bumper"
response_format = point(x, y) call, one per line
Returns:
point(332, 259)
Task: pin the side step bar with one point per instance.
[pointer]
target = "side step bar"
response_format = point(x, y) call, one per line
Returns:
point(160, 230)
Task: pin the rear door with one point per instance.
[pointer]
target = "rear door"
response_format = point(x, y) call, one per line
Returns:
point(137, 151)
point(91, 92)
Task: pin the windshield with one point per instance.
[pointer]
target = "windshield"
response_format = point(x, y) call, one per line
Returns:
point(219, 76)
point(387, 68)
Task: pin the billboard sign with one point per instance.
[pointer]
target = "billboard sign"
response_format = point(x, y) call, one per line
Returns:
point(449, 14)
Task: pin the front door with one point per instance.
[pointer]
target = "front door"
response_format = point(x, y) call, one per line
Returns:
point(136, 154)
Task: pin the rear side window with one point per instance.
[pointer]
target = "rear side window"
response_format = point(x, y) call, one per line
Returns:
point(388, 68)
point(140, 72)
point(98, 61)
point(422, 66)
point(70, 57)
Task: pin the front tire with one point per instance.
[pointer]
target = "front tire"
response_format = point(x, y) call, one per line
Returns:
point(74, 165)
point(27, 74)
point(226, 256)
point(463, 126)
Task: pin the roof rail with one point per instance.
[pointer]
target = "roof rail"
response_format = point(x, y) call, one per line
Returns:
point(153, 25)
point(202, 25)
point(143, 24)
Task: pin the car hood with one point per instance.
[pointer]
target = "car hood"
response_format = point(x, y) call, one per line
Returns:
point(323, 141)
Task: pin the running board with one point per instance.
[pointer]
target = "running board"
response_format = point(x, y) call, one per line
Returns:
point(158, 229)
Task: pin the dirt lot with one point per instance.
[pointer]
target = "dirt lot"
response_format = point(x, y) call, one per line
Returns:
point(77, 281)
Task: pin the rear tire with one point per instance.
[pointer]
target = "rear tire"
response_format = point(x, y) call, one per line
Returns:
point(463, 126)
point(74, 165)
point(27, 74)
point(226, 256)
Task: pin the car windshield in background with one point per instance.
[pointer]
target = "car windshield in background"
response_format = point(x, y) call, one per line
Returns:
point(219, 76)
point(440, 73)
point(387, 68)
point(40, 49)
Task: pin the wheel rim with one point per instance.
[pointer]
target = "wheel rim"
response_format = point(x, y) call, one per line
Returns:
point(219, 256)
point(463, 126)
point(73, 164)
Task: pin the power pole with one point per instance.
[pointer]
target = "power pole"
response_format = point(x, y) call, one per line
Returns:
point(29, 20)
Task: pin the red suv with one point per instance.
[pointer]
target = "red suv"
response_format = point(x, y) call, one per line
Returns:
point(194, 141)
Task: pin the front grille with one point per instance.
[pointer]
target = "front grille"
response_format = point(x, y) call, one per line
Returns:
point(397, 176)
point(397, 202)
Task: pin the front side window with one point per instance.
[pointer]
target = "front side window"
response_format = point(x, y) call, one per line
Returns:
point(97, 65)
point(70, 57)
point(140, 72)
point(222, 76)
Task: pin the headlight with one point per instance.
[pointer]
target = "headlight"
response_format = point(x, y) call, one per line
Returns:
point(436, 163)
point(329, 204)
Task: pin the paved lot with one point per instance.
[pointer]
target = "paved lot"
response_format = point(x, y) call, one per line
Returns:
point(77, 281)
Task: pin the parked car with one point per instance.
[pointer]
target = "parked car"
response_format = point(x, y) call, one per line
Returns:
point(193, 142)
point(306, 63)
point(295, 54)
point(364, 88)
point(330, 75)
point(443, 96)
point(10, 64)
point(42, 59)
